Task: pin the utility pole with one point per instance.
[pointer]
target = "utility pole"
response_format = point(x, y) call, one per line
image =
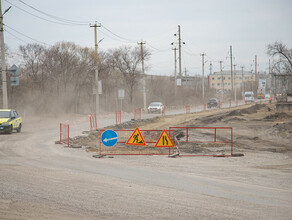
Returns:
point(175, 77)
point(203, 79)
point(179, 50)
point(231, 69)
point(255, 68)
point(3, 61)
point(234, 82)
point(96, 69)
point(222, 81)
point(144, 81)
point(242, 84)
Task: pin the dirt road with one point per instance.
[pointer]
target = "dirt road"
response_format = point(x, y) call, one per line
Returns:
point(41, 180)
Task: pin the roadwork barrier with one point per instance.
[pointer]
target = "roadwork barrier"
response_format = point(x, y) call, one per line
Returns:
point(146, 143)
point(204, 141)
point(118, 117)
point(137, 113)
point(64, 134)
point(188, 109)
point(93, 122)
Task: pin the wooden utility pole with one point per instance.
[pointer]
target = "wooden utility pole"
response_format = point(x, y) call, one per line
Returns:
point(203, 79)
point(96, 69)
point(175, 77)
point(144, 80)
point(3, 61)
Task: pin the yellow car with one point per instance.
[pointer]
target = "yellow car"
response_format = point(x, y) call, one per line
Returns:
point(9, 121)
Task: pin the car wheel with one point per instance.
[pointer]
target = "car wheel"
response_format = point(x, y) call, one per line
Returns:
point(19, 128)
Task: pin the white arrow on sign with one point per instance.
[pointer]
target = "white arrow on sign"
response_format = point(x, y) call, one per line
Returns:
point(110, 139)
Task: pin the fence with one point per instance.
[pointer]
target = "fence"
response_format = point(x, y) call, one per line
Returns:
point(188, 109)
point(93, 122)
point(204, 141)
point(118, 117)
point(163, 110)
point(150, 137)
point(64, 134)
point(137, 113)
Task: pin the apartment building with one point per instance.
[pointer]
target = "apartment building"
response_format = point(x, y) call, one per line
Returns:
point(223, 80)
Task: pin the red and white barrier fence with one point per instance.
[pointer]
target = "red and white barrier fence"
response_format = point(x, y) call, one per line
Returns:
point(118, 117)
point(93, 122)
point(137, 113)
point(188, 109)
point(64, 134)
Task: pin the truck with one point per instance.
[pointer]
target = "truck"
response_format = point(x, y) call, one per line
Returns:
point(261, 93)
point(249, 96)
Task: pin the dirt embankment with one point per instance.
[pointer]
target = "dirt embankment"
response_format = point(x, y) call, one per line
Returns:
point(256, 128)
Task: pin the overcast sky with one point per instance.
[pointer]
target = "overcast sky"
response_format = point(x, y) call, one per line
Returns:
point(207, 26)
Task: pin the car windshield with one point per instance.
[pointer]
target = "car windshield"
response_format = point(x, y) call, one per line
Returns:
point(155, 104)
point(212, 100)
point(247, 95)
point(4, 114)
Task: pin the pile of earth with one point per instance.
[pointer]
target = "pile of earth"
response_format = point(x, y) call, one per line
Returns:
point(280, 115)
point(251, 110)
point(284, 127)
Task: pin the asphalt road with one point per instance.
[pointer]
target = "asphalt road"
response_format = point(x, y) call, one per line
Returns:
point(41, 180)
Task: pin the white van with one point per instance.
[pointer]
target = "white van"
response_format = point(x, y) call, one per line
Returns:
point(249, 96)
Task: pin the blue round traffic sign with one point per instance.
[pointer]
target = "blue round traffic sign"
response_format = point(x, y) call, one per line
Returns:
point(109, 138)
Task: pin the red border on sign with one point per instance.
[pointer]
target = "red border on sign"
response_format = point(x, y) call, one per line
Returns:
point(143, 144)
point(164, 131)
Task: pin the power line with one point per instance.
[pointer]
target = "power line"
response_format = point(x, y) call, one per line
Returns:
point(129, 40)
point(15, 36)
point(55, 22)
point(26, 35)
point(55, 17)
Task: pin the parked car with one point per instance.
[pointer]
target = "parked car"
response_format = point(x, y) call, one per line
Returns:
point(155, 107)
point(213, 102)
point(9, 121)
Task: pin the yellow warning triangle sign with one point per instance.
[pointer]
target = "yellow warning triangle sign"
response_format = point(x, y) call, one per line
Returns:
point(164, 140)
point(136, 138)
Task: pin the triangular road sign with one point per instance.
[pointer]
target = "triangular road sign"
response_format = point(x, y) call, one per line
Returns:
point(164, 140)
point(136, 138)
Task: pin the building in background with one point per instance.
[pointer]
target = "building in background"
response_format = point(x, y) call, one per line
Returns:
point(222, 80)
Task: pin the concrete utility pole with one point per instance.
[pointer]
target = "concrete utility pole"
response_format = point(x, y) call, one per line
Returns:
point(255, 68)
point(203, 79)
point(96, 69)
point(144, 81)
point(242, 83)
point(175, 77)
point(3, 61)
point(234, 82)
point(179, 50)
point(222, 81)
point(232, 86)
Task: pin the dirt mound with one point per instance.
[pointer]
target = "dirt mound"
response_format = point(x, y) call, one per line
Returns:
point(234, 119)
point(280, 115)
point(284, 127)
point(251, 110)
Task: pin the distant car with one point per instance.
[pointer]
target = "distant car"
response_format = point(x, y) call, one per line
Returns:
point(213, 102)
point(155, 107)
point(9, 121)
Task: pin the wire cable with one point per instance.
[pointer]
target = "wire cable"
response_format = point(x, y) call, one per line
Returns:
point(55, 17)
point(26, 36)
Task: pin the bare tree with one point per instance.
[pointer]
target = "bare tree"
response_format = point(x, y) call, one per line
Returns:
point(283, 57)
point(281, 67)
point(127, 60)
